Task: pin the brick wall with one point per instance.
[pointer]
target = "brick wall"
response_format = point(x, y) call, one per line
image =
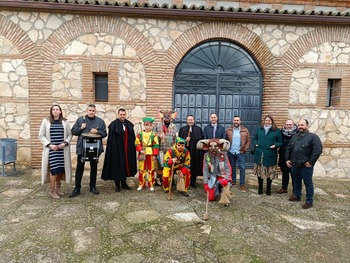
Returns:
point(160, 66)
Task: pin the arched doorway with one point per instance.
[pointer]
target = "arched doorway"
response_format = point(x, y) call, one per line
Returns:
point(222, 77)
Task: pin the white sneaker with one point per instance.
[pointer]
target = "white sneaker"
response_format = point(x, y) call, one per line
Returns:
point(151, 188)
point(139, 188)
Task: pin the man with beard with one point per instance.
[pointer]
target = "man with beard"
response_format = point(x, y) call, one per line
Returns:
point(216, 169)
point(120, 158)
point(192, 134)
point(93, 125)
point(302, 153)
point(289, 129)
point(177, 160)
point(166, 131)
point(239, 139)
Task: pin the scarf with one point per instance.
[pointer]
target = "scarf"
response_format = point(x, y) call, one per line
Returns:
point(291, 132)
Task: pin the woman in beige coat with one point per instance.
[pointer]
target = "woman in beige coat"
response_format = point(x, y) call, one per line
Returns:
point(55, 136)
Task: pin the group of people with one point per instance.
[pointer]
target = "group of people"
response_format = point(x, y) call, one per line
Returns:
point(163, 153)
point(298, 151)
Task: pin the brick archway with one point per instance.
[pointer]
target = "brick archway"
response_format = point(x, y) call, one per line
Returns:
point(313, 39)
point(224, 31)
point(102, 24)
point(19, 38)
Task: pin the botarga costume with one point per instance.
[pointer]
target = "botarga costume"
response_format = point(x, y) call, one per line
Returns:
point(181, 167)
point(120, 158)
point(166, 131)
point(216, 169)
point(147, 142)
point(196, 134)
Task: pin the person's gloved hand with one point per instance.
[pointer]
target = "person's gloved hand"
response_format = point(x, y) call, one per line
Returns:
point(206, 187)
point(224, 182)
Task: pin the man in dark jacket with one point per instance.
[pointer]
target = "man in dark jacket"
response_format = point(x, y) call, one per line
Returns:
point(192, 134)
point(214, 130)
point(302, 152)
point(120, 158)
point(91, 125)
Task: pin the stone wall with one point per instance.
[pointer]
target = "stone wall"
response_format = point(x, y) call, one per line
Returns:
point(50, 58)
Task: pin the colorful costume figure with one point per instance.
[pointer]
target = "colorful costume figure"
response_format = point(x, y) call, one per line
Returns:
point(216, 169)
point(166, 131)
point(147, 147)
point(177, 159)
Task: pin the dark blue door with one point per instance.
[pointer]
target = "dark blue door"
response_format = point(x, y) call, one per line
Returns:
point(220, 77)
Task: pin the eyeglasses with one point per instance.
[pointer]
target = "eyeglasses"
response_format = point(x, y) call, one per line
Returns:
point(148, 124)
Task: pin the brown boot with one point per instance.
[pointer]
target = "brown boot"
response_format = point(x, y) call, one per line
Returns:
point(58, 185)
point(53, 193)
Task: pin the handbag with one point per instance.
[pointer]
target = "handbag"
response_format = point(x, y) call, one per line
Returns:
point(252, 150)
point(180, 184)
point(141, 157)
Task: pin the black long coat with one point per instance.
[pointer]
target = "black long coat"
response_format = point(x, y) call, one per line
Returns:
point(120, 158)
point(196, 155)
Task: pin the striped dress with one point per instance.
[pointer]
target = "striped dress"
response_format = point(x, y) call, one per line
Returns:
point(56, 158)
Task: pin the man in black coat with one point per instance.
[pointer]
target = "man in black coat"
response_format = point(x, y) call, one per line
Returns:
point(120, 158)
point(192, 134)
point(302, 153)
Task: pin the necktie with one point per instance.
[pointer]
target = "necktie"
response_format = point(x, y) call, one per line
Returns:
point(214, 131)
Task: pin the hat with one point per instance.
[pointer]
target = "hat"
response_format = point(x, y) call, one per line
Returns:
point(180, 140)
point(148, 119)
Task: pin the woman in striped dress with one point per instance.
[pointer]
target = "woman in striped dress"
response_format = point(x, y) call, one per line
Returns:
point(55, 135)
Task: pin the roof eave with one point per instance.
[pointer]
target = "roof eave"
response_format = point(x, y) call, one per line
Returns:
point(183, 13)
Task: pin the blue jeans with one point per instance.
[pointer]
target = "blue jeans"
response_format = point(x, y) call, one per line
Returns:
point(305, 174)
point(240, 160)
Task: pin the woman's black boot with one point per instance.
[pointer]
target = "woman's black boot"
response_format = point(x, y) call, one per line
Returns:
point(268, 186)
point(261, 182)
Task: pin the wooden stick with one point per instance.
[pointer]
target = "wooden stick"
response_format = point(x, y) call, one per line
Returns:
point(206, 214)
point(170, 182)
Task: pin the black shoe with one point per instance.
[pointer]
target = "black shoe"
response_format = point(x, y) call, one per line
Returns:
point(75, 193)
point(117, 188)
point(185, 194)
point(294, 198)
point(94, 190)
point(306, 205)
point(125, 186)
point(194, 185)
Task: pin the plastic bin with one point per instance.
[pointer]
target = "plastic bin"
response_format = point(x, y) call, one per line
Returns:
point(8, 152)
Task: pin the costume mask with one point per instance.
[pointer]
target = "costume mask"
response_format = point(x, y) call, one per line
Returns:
point(167, 116)
point(214, 145)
